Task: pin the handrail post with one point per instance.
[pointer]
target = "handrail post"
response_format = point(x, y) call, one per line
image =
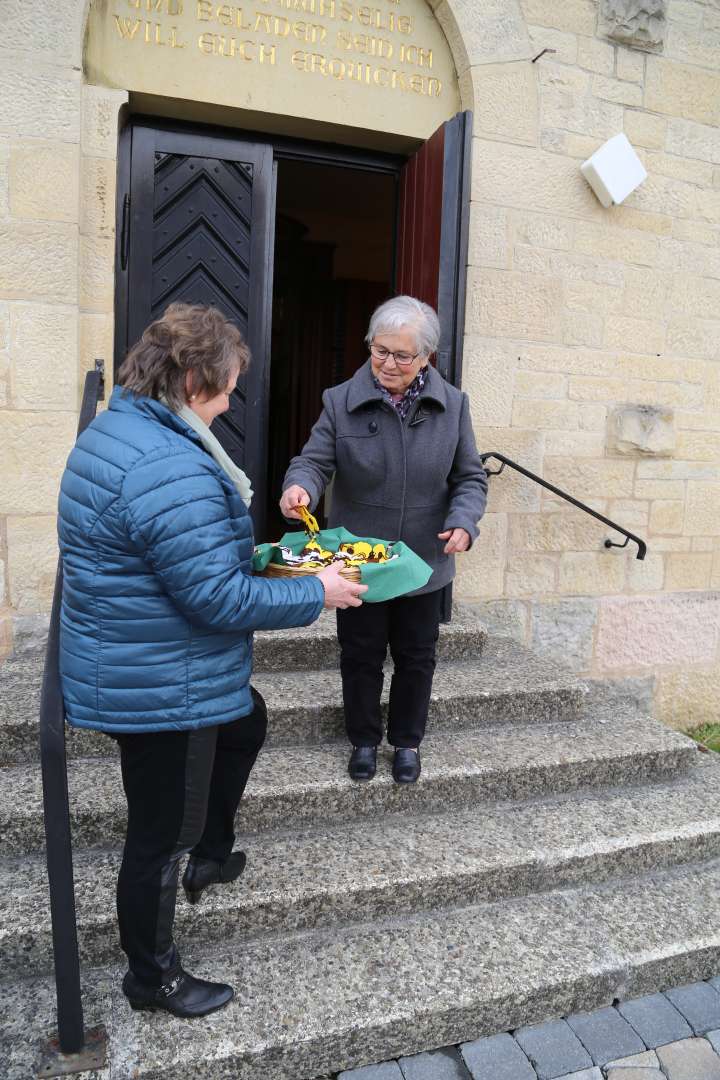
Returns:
point(72, 1051)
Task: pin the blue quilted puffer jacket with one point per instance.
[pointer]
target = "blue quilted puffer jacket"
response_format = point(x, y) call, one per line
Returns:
point(159, 604)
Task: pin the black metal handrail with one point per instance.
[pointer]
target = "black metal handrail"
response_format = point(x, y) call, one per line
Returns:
point(53, 758)
point(641, 545)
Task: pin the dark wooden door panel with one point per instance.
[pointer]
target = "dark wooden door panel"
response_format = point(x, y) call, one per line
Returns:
point(201, 232)
point(432, 237)
point(432, 242)
point(418, 254)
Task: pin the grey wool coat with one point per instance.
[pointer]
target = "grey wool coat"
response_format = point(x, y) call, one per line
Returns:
point(396, 479)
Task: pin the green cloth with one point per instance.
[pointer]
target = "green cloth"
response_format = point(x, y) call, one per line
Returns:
point(385, 581)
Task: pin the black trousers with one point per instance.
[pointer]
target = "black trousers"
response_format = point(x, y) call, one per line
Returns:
point(410, 626)
point(183, 789)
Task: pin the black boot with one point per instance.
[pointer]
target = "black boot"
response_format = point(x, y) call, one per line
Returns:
point(183, 995)
point(406, 765)
point(363, 762)
point(199, 873)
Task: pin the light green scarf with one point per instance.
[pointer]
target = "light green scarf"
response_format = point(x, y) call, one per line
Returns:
point(213, 447)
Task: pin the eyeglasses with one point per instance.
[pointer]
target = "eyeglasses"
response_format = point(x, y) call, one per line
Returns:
point(402, 358)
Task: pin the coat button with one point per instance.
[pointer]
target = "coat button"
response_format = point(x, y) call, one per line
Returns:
point(372, 427)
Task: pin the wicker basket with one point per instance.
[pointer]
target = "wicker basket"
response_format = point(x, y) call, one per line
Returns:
point(352, 573)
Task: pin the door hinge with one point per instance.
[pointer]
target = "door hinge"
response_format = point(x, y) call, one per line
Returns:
point(125, 232)
point(443, 363)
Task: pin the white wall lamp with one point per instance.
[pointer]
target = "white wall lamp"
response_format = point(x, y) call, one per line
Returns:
point(614, 171)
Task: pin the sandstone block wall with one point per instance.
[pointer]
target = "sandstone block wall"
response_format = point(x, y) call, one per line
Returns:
point(58, 142)
point(593, 338)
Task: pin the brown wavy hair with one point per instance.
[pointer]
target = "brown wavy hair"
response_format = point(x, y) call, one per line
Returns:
point(189, 338)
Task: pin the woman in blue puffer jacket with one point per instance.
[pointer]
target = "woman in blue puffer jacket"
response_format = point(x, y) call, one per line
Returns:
point(159, 607)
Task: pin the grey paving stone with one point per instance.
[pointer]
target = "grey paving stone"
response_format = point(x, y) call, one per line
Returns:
point(387, 1070)
point(606, 1035)
point(700, 1005)
point(497, 1057)
point(623, 1073)
point(445, 1064)
point(584, 1074)
point(648, 1060)
point(655, 1019)
point(553, 1048)
point(690, 1059)
point(713, 1038)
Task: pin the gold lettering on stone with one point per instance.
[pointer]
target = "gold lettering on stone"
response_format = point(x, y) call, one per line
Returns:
point(413, 54)
point(153, 34)
point(124, 27)
point(365, 43)
point(387, 20)
point(355, 71)
point(229, 47)
point(366, 46)
point(161, 7)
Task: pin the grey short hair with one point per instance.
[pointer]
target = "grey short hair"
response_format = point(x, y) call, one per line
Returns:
point(407, 311)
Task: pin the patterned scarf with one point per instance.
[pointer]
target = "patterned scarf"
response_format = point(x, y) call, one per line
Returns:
point(413, 391)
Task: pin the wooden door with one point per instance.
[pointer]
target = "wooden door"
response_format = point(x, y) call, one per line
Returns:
point(432, 242)
point(199, 229)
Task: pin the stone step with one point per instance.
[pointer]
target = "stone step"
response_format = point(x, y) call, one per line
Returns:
point(292, 786)
point(507, 683)
point(315, 647)
point(403, 864)
point(307, 648)
point(317, 1002)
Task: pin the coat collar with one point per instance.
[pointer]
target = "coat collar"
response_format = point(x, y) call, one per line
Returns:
point(125, 401)
point(362, 389)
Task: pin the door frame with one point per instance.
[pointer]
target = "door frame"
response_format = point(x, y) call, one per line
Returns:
point(457, 159)
point(453, 273)
point(284, 148)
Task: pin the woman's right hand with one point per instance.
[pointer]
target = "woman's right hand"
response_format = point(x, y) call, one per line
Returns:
point(339, 592)
point(293, 497)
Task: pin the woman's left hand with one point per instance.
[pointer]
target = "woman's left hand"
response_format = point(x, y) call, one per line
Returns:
point(457, 540)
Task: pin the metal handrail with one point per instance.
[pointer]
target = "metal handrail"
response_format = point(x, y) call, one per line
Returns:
point(53, 759)
point(641, 545)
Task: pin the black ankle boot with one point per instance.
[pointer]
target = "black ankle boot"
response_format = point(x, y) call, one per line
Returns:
point(363, 763)
point(199, 873)
point(406, 765)
point(183, 995)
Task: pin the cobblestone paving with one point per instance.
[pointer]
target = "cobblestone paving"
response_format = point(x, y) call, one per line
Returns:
point(669, 1036)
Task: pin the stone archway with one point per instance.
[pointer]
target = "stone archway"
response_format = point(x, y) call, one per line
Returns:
point(345, 65)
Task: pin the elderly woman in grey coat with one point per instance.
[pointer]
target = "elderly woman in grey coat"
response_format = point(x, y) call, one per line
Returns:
point(399, 440)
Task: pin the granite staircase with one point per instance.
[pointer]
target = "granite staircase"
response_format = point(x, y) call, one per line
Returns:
point(559, 851)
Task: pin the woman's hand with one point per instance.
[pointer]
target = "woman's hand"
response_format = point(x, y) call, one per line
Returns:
point(339, 592)
point(291, 498)
point(457, 540)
